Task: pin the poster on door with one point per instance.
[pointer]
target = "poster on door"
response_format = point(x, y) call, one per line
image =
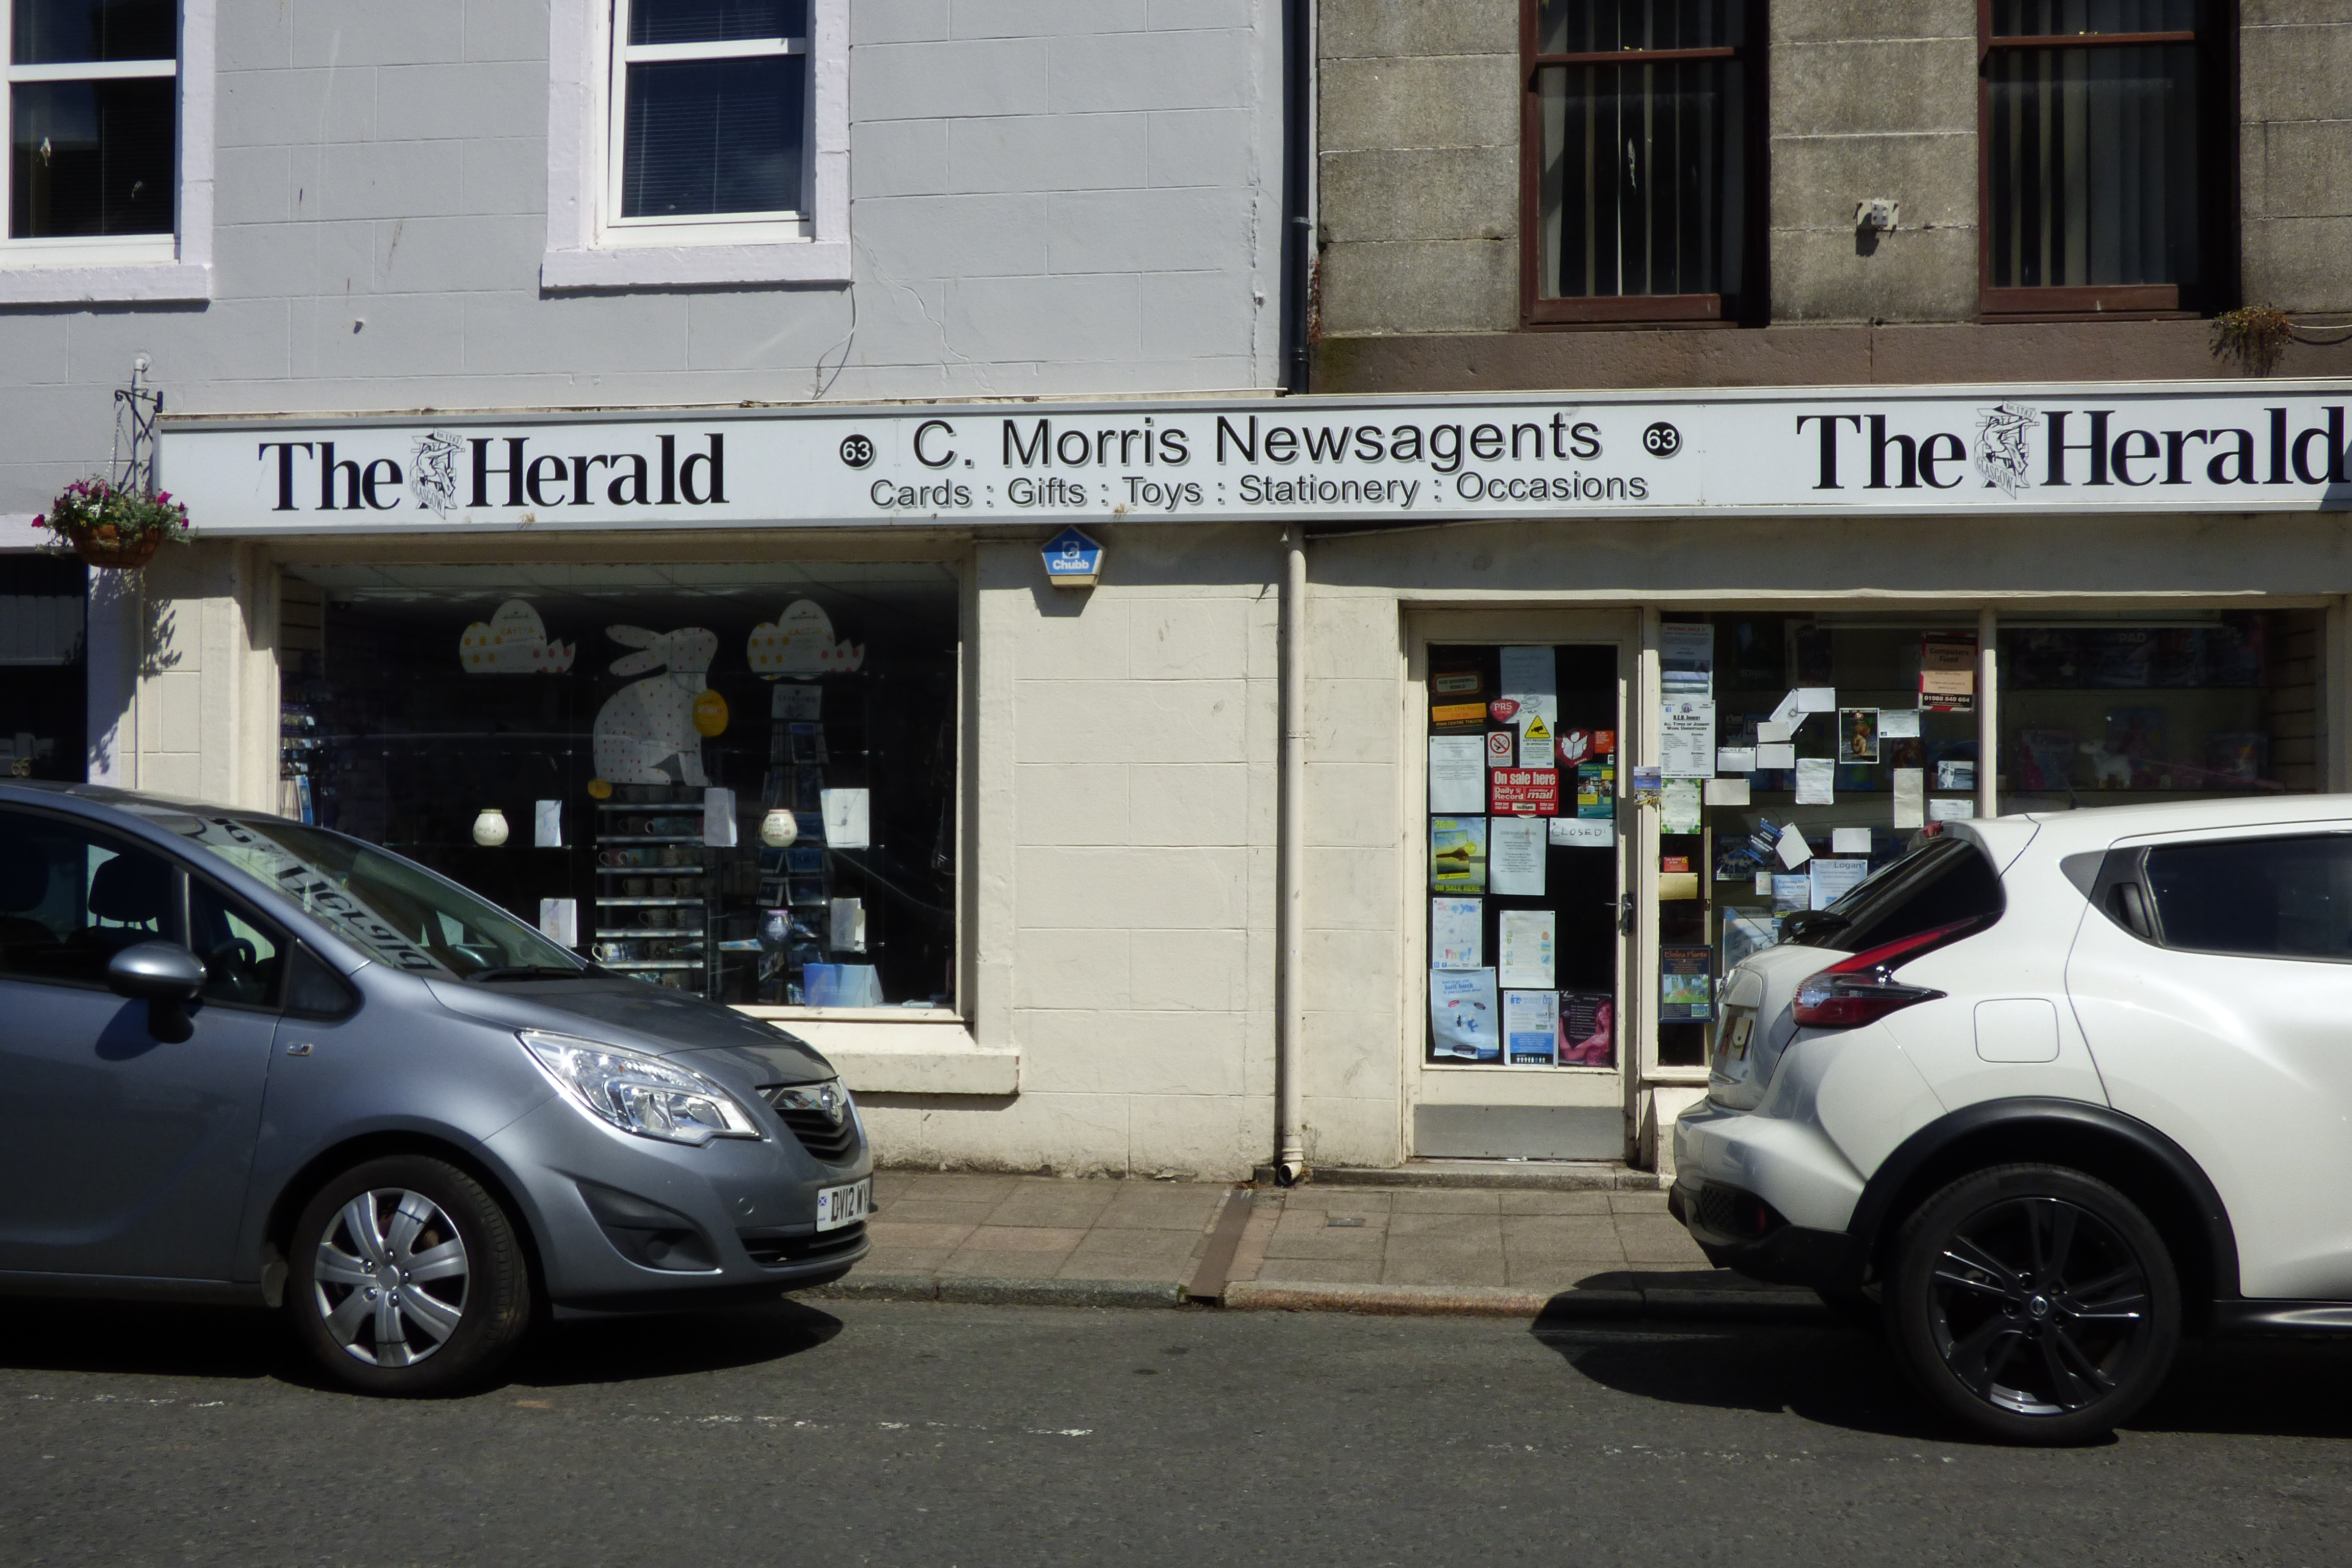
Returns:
point(1464, 1024)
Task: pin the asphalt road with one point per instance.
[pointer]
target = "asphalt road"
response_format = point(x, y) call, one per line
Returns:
point(920, 1434)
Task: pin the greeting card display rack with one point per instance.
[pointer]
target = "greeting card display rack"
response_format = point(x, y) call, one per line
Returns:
point(657, 836)
point(798, 881)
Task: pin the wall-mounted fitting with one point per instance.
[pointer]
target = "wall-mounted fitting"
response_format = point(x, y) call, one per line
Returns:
point(1877, 216)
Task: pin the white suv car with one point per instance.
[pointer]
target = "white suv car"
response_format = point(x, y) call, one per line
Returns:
point(2044, 1093)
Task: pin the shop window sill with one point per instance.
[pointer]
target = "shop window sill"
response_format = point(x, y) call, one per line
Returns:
point(898, 1050)
point(695, 266)
point(129, 282)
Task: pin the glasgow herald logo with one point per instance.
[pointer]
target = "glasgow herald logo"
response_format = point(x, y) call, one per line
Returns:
point(2018, 447)
point(2004, 446)
point(495, 472)
point(433, 477)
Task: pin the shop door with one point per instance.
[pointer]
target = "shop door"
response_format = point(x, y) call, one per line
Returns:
point(1522, 903)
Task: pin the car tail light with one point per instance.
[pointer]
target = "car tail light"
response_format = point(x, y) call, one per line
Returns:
point(1863, 989)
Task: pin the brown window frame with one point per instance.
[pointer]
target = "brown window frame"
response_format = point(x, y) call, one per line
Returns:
point(1744, 308)
point(2215, 39)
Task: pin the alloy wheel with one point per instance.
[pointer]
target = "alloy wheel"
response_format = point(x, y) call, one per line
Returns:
point(2040, 1307)
point(391, 1275)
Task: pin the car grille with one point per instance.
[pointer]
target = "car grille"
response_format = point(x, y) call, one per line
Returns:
point(1727, 1211)
point(1718, 1209)
point(774, 1249)
point(831, 1144)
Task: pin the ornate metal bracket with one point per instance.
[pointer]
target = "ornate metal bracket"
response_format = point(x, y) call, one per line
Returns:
point(136, 409)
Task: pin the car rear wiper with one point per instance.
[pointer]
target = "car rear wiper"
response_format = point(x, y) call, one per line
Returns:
point(1805, 922)
point(533, 971)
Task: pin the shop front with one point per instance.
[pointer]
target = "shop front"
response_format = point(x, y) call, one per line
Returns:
point(43, 657)
point(789, 710)
point(1740, 729)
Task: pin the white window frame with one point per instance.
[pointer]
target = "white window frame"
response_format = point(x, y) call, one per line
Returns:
point(125, 268)
point(590, 245)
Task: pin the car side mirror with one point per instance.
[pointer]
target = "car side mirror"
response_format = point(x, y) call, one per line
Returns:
point(165, 975)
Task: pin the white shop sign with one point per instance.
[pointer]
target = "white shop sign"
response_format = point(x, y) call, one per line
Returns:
point(2229, 447)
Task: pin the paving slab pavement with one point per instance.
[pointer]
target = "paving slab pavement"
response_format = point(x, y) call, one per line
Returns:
point(1593, 1252)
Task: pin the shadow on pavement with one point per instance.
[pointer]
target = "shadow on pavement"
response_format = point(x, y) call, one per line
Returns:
point(670, 1344)
point(1834, 1377)
point(1844, 1377)
point(126, 1337)
point(2276, 1388)
point(248, 1342)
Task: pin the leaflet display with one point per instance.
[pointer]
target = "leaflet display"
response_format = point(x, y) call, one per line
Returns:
point(1523, 876)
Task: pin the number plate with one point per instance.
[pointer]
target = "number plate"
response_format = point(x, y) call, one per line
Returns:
point(837, 1207)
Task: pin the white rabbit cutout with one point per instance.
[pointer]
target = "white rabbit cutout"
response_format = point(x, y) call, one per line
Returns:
point(645, 733)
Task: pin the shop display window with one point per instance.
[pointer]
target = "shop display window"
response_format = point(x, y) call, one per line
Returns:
point(1523, 880)
point(44, 654)
point(2099, 711)
point(1804, 752)
point(736, 780)
point(1800, 752)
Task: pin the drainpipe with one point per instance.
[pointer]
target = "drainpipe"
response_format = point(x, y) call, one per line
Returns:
point(1290, 1156)
point(1988, 712)
point(1298, 190)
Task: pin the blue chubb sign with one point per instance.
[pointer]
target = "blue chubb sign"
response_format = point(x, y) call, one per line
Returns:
point(1072, 559)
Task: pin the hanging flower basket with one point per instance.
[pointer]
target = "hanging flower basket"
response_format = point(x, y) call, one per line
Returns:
point(112, 528)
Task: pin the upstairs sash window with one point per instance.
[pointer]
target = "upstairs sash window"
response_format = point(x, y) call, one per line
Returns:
point(1639, 185)
point(90, 98)
point(710, 105)
point(2097, 159)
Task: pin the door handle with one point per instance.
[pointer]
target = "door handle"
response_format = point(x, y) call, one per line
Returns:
point(1624, 914)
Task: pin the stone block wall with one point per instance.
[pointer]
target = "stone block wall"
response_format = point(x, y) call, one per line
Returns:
point(1419, 164)
point(1871, 99)
point(1419, 208)
point(2294, 153)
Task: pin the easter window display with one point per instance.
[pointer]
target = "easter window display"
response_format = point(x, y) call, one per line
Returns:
point(735, 780)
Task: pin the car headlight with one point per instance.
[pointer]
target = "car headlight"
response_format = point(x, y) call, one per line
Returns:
point(829, 1100)
point(639, 1093)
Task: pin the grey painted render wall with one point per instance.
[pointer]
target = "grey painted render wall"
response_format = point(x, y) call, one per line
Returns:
point(1419, 121)
point(1048, 197)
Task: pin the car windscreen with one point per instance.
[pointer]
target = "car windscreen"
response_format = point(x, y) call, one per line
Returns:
point(396, 909)
point(1944, 880)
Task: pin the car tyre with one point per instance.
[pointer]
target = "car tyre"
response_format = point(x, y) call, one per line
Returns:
point(2034, 1303)
point(407, 1278)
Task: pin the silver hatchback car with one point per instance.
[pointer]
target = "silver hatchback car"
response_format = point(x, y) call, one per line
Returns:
point(261, 1062)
